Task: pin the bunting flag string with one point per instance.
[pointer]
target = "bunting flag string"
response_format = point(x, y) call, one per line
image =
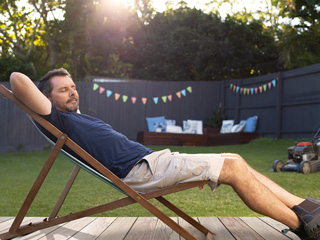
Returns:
point(253, 90)
point(165, 99)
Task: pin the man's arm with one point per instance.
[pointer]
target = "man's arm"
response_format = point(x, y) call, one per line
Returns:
point(25, 90)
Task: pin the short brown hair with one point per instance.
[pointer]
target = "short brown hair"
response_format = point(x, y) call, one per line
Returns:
point(45, 85)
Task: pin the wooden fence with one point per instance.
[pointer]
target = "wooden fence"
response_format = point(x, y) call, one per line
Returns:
point(286, 109)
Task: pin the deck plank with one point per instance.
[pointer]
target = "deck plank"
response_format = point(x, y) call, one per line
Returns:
point(3, 219)
point(162, 231)
point(143, 228)
point(5, 225)
point(266, 231)
point(279, 226)
point(239, 229)
point(94, 229)
point(195, 232)
point(39, 234)
point(69, 229)
point(118, 229)
point(216, 226)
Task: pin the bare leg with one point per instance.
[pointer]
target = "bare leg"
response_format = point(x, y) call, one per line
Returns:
point(287, 198)
point(247, 184)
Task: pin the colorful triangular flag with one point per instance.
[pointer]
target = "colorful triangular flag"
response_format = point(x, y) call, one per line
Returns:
point(108, 93)
point(95, 86)
point(116, 96)
point(189, 89)
point(156, 99)
point(164, 99)
point(144, 100)
point(101, 90)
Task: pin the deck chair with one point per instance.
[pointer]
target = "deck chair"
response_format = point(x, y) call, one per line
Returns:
point(95, 168)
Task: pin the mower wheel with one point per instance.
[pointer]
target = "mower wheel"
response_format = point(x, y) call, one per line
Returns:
point(277, 165)
point(305, 167)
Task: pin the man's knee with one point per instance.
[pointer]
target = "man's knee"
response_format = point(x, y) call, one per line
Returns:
point(232, 155)
point(234, 166)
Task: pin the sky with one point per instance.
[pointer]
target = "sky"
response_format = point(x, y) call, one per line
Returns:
point(250, 5)
point(239, 5)
point(160, 5)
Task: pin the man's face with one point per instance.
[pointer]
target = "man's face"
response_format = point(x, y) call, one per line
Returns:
point(64, 94)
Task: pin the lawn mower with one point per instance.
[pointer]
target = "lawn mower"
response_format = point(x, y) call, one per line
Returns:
point(303, 157)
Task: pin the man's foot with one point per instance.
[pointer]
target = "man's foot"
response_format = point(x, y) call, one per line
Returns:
point(300, 232)
point(309, 213)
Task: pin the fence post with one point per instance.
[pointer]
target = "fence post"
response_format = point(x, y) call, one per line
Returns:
point(279, 106)
point(237, 105)
point(222, 94)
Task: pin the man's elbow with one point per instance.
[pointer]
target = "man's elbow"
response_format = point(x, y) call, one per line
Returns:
point(14, 77)
point(18, 82)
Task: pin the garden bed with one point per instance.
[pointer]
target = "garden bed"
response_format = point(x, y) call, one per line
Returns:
point(208, 138)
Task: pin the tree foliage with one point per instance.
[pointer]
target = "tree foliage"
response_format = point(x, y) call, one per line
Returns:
point(30, 33)
point(106, 38)
point(300, 41)
point(17, 36)
point(95, 41)
point(187, 44)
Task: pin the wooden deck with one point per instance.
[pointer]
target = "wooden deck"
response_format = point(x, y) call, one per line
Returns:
point(145, 228)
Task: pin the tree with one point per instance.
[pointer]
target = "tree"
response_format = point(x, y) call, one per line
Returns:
point(9, 64)
point(46, 9)
point(189, 45)
point(30, 34)
point(144, 10)
point(17, 36)
point(300, 38)
point(293, 23)
point(97, 39)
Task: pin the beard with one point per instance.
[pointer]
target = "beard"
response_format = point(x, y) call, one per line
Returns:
point(73, 107)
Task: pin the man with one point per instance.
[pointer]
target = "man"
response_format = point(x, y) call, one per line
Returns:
point(145, 170)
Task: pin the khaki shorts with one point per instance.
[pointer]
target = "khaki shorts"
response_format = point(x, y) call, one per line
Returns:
point(165, 168)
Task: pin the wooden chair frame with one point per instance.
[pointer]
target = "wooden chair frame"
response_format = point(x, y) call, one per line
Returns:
point(17, 229)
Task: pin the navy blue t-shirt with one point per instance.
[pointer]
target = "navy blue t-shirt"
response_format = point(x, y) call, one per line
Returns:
point(111, 148)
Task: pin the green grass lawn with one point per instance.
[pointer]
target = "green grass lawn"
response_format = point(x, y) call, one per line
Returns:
point(19, 170)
